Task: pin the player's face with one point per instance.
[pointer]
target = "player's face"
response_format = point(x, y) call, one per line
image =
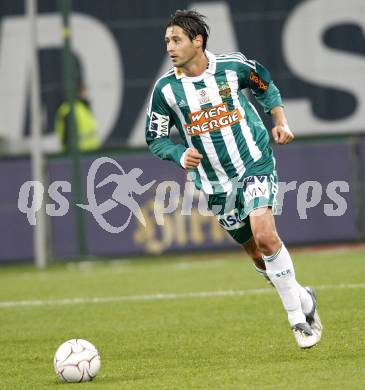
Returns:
point(179, 47)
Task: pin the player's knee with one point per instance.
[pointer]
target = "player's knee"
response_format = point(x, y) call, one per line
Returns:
point(268, 242)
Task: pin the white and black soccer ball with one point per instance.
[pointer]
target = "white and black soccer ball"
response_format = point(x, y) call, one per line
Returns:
point(76, 360)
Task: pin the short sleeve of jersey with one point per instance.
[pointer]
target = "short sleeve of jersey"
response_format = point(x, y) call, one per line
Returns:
point(159, 120)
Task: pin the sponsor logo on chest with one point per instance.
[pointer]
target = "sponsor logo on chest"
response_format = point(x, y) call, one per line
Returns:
point(211, 119)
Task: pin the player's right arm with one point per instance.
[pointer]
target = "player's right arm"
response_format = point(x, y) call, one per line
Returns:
point(158, 125)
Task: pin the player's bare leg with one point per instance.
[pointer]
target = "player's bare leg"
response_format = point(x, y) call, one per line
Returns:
point(256, 256)
point(279, 267)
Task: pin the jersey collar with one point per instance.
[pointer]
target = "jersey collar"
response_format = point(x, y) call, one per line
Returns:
point(179, 73)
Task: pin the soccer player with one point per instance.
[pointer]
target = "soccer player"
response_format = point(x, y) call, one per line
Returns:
point(227, 152)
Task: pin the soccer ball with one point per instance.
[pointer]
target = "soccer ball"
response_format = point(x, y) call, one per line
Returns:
point(76, 360)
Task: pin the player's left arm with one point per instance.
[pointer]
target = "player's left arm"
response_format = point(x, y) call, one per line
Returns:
point(258, 79)
point(281, 132)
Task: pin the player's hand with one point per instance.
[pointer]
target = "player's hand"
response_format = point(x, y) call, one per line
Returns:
point(282, 134)
point(192, 158)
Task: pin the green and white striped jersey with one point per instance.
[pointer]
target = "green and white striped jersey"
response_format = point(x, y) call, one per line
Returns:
point(215, 117)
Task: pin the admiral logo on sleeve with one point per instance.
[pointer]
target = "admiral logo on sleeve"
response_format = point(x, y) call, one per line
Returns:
point(159, 125)
point(211, 119)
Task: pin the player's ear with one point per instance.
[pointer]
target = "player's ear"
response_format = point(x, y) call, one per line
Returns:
point(198, 41)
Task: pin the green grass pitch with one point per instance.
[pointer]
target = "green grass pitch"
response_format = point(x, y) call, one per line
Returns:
point(203, 321)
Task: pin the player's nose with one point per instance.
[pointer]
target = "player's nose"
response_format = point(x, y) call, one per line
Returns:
point(170, 47)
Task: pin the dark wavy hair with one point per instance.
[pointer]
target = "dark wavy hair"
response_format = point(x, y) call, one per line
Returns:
point(192, 22)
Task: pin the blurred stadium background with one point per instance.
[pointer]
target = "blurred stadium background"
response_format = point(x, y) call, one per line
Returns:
point(315, 50)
